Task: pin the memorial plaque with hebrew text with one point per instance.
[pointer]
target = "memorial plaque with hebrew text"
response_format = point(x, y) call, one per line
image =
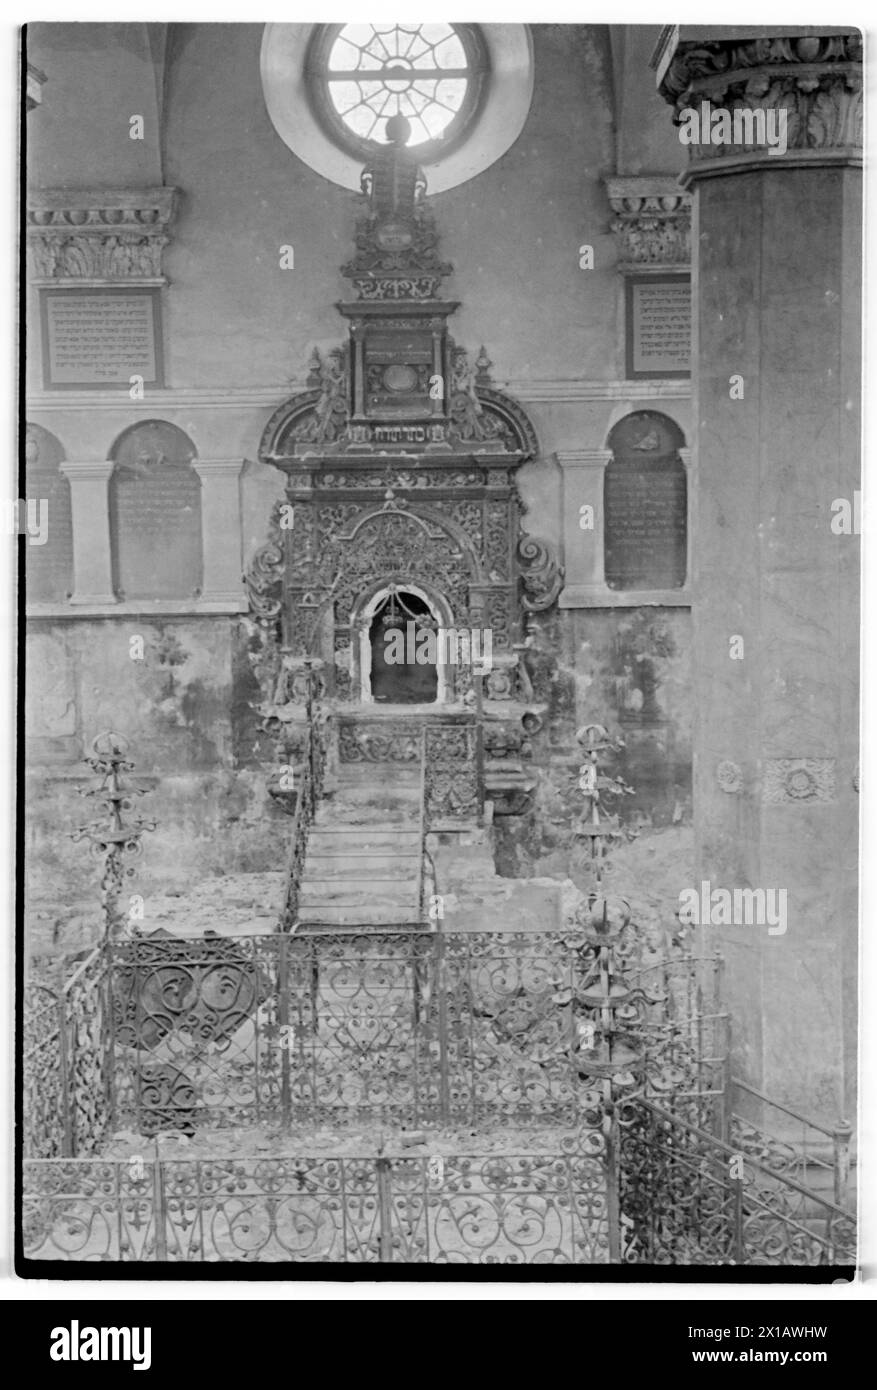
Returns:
point(155, 514)
point(658, 326)
point(100, 337)
point(646, 533)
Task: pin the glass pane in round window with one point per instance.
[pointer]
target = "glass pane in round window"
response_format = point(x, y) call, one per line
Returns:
point(420, 71)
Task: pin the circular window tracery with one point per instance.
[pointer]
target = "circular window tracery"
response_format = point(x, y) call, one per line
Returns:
point(362, 74)
point(477, 127)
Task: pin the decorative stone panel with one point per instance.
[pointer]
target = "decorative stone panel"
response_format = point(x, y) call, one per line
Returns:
point(99, 236)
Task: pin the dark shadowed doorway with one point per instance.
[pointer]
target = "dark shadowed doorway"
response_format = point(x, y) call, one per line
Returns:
point(402, 672)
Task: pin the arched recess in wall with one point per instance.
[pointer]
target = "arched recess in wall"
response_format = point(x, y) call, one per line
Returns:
point(155, 514)
point(49, 550)
point(287, 85)
point(645, 504)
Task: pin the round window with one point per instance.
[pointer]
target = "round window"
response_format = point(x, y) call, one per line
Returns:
point(465, 90)
point(361, 74)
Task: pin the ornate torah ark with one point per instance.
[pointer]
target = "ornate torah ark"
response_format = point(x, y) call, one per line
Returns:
point(400, 461)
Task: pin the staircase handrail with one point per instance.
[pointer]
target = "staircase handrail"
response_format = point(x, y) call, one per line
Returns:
point(815, 1154)
point(721, 1149)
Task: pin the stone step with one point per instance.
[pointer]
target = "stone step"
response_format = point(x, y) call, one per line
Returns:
point(364, 818)
point(350, 886)
point(388, 866)
point(383, 838)
point(352, 856)
point(363, 894)
point(358, 916)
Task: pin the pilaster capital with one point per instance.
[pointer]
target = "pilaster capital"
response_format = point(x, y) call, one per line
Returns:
point(99, 236)
point(89, 471)
point(744, 99)
point(651, 222)
point(583, 458)
point(218, 468)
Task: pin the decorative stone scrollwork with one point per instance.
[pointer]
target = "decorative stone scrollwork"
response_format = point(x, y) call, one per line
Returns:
point(264, 576)
point(100, 234)
point(541, 575)
point(652, 223)
point(451, 778)
point(326, 422)
point(816, 79)
point(366, 743)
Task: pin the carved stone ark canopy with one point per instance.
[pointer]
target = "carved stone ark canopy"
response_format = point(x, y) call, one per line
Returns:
point(400, 460)
point(400, 384)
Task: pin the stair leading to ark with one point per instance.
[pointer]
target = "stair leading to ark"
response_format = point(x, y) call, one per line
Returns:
point(363, 862)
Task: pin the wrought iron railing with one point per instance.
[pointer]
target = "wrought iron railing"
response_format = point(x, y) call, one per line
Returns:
point(515, 1208)
point(436, 1029)
point(67, 1062)
point(414, 1028)
point(664, 1194)
point(798, 1147)
point(688, 1198)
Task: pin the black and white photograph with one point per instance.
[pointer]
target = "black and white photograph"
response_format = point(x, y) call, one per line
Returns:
point(439, 526)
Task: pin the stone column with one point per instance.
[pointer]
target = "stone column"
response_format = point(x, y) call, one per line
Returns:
point(89, 502)
point(221, 528)
point(583, 472)
point(776, 381)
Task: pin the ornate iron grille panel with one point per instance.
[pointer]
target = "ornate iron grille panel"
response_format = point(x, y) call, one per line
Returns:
point(364, 1045)
point(682, 1202)
point(196, 1032)
point(474, 1209)
point(67, 1063)
point(44, 1102)
point(90, 1210)
point(399, 1027)
point(509, 1040)
point(88, 1053)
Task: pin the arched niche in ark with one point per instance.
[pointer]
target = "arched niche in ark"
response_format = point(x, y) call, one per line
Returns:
point(155, 514)
point(645, 504)
point(49, 552)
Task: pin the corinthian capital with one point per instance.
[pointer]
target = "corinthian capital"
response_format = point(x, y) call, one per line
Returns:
point(99, 235)
point(651, 221)
point(746, 96)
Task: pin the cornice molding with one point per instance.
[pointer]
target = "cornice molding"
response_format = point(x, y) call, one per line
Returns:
point(652, 222)
point(98, 235)
point(271, 397)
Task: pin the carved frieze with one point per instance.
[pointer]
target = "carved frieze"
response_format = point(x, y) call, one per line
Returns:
point(373, 743)
point(403, 480)
point(102, 235)
point(651, 222)
point(813, 80)
point(392, 545)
